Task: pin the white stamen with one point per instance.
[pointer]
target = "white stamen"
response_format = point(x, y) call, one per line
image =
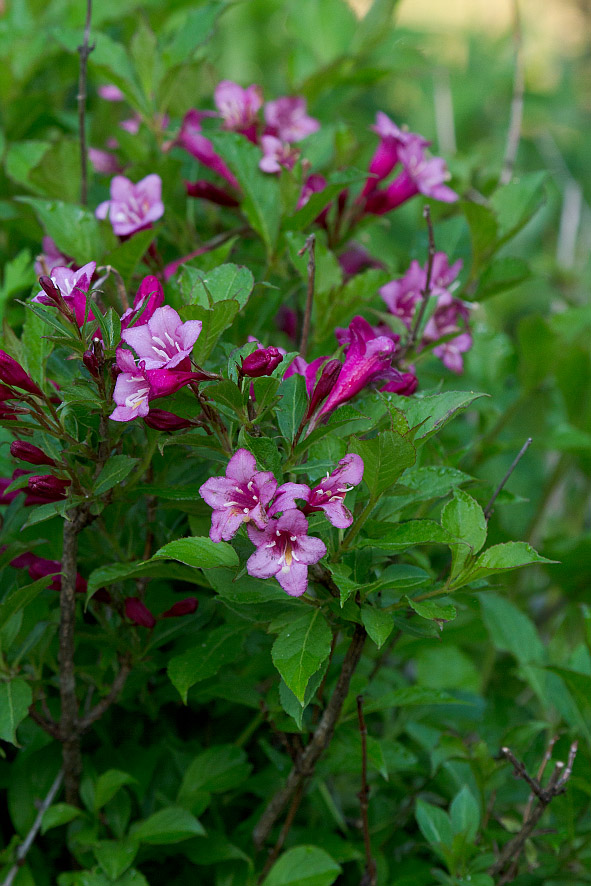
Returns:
point(250, 484)
point(272, 545)
point(160, 352)
point(159, 341)
point(293, 537)
point(169, 337)
point(245, 510)
point(230, 504)
point(277, 532)
point(255, 498)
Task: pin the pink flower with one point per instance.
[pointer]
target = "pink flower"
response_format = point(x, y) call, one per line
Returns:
point(103, 161)
point(50, 258)
point(111, 93)
point(192, 140)
point(276, 155)
point(403, 383)
point(238, 107)
point(285, 550)
point(386, 155)
point(132, 389)
point(148, 298)
point(328, 495)
point(239, 497)
point(164, 341)
point(261, 362)
point(73, 288)
point(401, 296)
point(286, 118)
point(132, 207)
point(449, 317)
point(309, 371)
point(421, 174)
point(355, 259)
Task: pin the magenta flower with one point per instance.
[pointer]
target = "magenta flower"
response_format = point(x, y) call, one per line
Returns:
point(132, 207)
point(72, 286)
point(386, 155)
point(355, 259)
point(239, 497)
point(401, 296)
point(137, 612)
point(39, 567)
point(164, 341)
point(148, 298)
point(367, 359)
point(449, 317)
point(442, 274)
point(187, 606)
point(309, 371)
point(48, 487)
point(110, 93)
point(192, 140)
point(161, 420)
point(261, 362)
point(285, 550)
point(132, 389)
point(25, 451)
point(103, 161)
point(286, 118)
point(421, 174)
point(277, 155)
point(238, 107)
point(205, 190)
point(402, 383)
point(13, 375)
point(328, 495)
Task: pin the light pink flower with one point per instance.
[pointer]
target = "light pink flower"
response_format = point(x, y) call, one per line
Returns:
point(277, 155)
point(111, 93)
point(164, 341)
point(238, 107)
point(132, 389)
point(328, 495)
point(286, 118)
point(239, 497)
point(132, 207)
point(284, 550)
point(103, 161)
point(73, 287)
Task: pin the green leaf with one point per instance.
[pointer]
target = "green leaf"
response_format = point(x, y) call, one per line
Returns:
point(48, 176)
point(465, 814)
point(146, 58)
point(378, 623)
point(167, 826)
point(303, 866)
point(300, 649)
point(216, 770)
point(408, 696)
point(113, 60)
point(107, 786)
point(115, 856)
point(21, 158)
point(433, 411)
point(432, 611)
point(193, 28)
point(224, 283)
point(264, 450)
point(292, 406)
point(218, 648)
point(463, 518)
point(501, 275)
point(215, 320)
point(336, 183)
point(227, 393)
point(501, 558)
point(58, 814)
point(126, 256)
point(516, 202)
point(115, 471)
point(511, 630)
point(15, 698)
point(199, 552)
point(36, 346)
point(405, 535)
point(74, 229)
point(261, 203)
point(434, 824)
point(115, 572)
point(385, 458)
point(21, 597)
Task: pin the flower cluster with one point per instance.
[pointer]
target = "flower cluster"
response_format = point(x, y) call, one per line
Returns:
point(276, 526)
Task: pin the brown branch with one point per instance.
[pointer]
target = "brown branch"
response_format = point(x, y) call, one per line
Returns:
point(425, 294)
point(304, 768)
point(99, 709)
point(84, 51)
point(370, 874)
point(514, 134)
point(48, 726)
point(508, 860)
point(274, 853)
point(489, 509)
point(23, 849)
point(310, 247)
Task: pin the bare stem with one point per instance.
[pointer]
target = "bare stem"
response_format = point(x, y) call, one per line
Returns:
point(425, 294)
point(310, 247)
point(488, 511)
point(274, 853)
point(515, 121)
point(84, 51)
point(370, 874)
point(99, 709)
point(303, 769)
point(23, 849)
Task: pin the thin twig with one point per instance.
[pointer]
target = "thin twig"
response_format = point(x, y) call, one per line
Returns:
point(48, 726)
point(310, 247)
point(540, 773)
point(304, 768)
point(84, 51)
point(515, 121)
point(425, 294)
point(488, 511)
point(274, 853)
point(99, 709)
point(370, 874)
point(21, 852)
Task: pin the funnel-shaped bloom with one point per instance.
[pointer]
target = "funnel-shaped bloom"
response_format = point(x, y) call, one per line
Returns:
point(238, 107)
point(132, 207)
point(148, 298)
point(192, 140)
point(284, 549)
point(277, 155)
point(401, 296)
point(239, 497)
point(164, 341)
point(73, 287)
point(328, 495)
point(286, 118)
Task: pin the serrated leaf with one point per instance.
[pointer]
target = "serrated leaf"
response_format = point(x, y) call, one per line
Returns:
point(405, 535)
point(432, 611)
point(433, 411)
point(15, 698)
point(74, 229)
point(215, 320)
point(385, 458)
point(300, 649)
point(199, 552)
point(503, 557)
point(218, 648)
point(378, 623)
point(115, 471)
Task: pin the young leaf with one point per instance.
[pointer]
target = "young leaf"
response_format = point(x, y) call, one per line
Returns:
point(220, 647)
point(170, 825)
point(432, 611)
point(216, 770)
point(300, 649)
point(15, 698)
point(434, 824)
point(107, 786)
point(377, 623)
point(303, 866)
point(201, 553)
point(115, 471)
point(465, 814)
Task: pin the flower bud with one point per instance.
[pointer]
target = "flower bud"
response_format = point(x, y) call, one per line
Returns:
point(91, 363)
point(48, 487)
point(6, 393)
point(161, 420)
point(213, 193)
point(328, 378)
point(261, 362)
point(29, 453)
point(404, 386)
point(13, 375)
point(11, 413)
point(184, 607)
point(137, 612)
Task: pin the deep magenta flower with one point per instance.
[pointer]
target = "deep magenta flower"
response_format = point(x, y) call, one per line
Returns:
point(192, 140)
point(401, 296)
point(284, 549)
point(328, 495)
point(13, 375)
point(277, 154)
point(161, 420)
point(164, 341)
point(420, 174)
point(261, 362)
point(386, 155)
point(137, 612)
point(355, 259)
point(72, 286)
point(48, 487)
point(286, 118)
point(39, 567)
point(205, 190)
point(309, 371)
point(28, 452)
point(132, 207)
point(402, 383)
point(238, 107)
point(148, 298)
point(239, 497)
point(187, 606)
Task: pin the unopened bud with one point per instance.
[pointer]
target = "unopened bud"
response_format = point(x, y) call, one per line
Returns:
point(137, 612)
point(53, 293)
point(29, 453)
point(213, 193)
point(328, 378)
point(13, 375)
point(91, 363)
point(48, 487)
point(161, 420)
point(261, 362)
point(183, 607)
